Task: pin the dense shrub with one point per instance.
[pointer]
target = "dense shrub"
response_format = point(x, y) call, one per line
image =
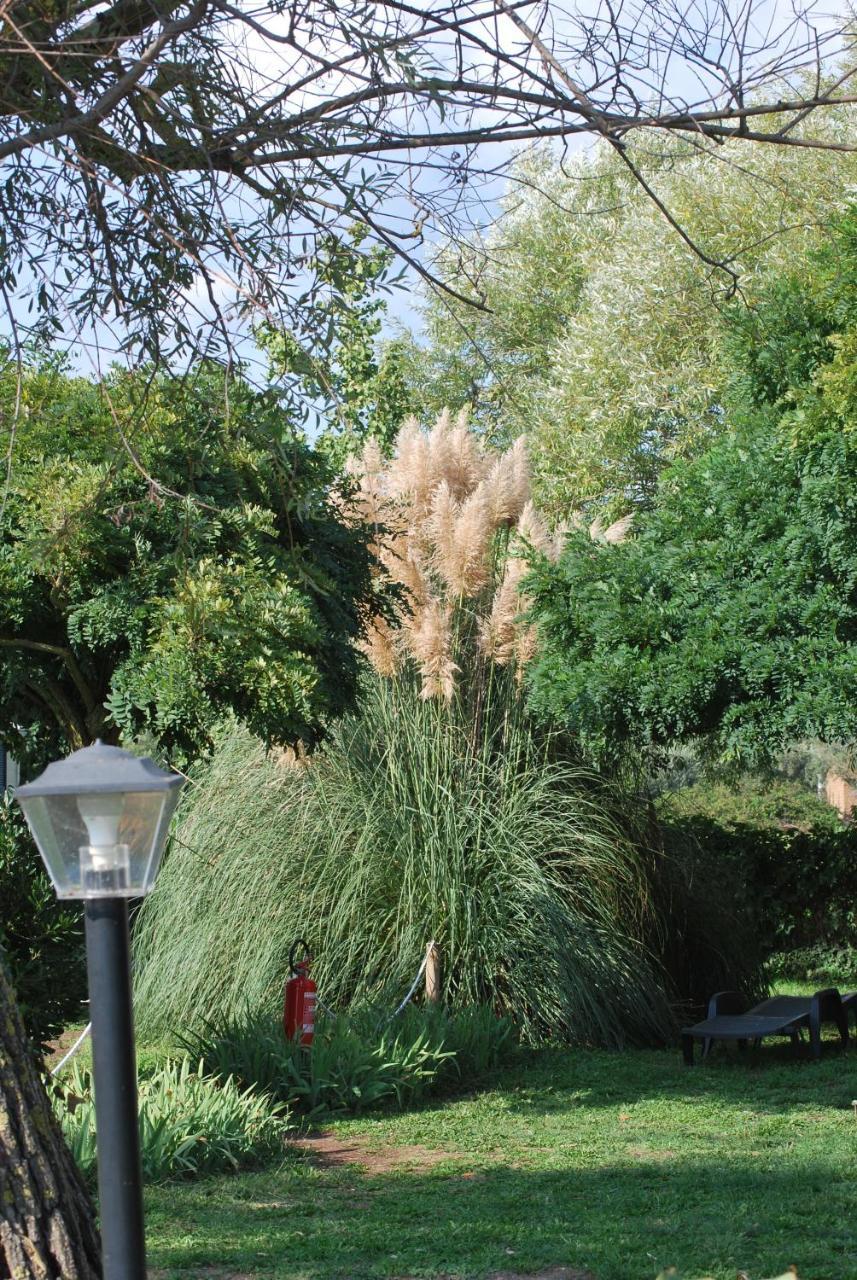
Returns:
point(359, 1061)
point(791, 863)
point(823, 966)
point(42, 938)
point(190, 1123)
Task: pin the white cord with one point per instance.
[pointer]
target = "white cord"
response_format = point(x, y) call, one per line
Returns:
point(73, 1050)
point(398, 1010)
point(414, 986)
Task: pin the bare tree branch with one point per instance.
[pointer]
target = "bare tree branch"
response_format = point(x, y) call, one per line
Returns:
point(171, 167)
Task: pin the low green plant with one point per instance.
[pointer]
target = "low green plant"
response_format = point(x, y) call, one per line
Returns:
point(191, 1122)
point(357, 1062)
point(476, 1039)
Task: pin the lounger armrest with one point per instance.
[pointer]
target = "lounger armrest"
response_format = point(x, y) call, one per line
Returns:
point(726, 1002)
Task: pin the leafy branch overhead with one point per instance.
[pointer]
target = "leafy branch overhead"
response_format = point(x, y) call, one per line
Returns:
point(607, 340)
point(166, 163)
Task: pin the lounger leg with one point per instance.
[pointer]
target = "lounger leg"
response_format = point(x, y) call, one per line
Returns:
point(706, 1046)
point(687, 1050)
point(842, 1023)
point(742, 1045)
point(815, 1033)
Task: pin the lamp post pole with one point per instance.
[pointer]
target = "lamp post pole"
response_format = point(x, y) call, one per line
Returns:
point(100, 819)
point(120, 1192)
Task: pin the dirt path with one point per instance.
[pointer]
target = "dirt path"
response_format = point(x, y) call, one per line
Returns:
point(329, 1152)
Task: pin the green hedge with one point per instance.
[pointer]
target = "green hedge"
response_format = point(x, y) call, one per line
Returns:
point(791, 863)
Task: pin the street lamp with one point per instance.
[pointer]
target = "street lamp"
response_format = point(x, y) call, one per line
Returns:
point(100, 819)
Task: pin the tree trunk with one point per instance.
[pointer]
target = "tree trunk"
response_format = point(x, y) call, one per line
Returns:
point(47, 1221)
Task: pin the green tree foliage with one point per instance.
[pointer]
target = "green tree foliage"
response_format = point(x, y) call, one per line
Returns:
point(41, 939)
point(731, 615)
point(152, 580)
point(362, 388)
point(603, 337)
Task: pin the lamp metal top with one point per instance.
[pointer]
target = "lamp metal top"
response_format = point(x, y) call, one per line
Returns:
point(98, 770)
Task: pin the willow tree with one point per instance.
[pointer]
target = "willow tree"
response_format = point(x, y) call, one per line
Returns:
point(605, 336)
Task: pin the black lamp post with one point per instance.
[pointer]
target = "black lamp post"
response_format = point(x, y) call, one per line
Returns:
point(100, 819)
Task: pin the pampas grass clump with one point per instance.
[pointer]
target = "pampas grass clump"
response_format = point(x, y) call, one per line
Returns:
point(397, 833)
point(453, 526)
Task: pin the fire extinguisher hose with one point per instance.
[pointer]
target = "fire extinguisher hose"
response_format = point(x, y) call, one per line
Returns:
point(293, 950)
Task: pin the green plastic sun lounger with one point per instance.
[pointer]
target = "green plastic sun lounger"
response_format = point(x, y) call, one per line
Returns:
point(730, 1019)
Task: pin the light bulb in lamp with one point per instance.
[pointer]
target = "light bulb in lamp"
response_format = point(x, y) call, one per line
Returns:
point(101, 816)
point(104, 861)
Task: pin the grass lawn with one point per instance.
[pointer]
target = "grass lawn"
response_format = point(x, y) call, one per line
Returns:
point(621, 1164)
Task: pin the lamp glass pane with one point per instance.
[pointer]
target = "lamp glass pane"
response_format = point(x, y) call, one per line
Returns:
point(51, 841)
point(112, 856)
point(169, 801)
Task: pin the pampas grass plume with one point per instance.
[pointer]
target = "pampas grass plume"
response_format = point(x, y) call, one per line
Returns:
point(461, 460)
point(439, 506)
point(440, 529)
point(431, 644)
point(618, 530)
point(502, 636)
point(379, 647)
point(410, 474)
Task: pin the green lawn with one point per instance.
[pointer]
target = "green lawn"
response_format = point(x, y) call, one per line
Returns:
point(619, 1163)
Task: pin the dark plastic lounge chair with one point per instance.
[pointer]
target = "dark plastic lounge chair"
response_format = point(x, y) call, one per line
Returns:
point(729, 1019)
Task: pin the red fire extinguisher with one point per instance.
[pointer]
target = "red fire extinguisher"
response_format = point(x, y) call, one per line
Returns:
point(300, 997)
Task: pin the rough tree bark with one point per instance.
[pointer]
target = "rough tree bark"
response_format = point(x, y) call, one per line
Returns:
point(47, 1220)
